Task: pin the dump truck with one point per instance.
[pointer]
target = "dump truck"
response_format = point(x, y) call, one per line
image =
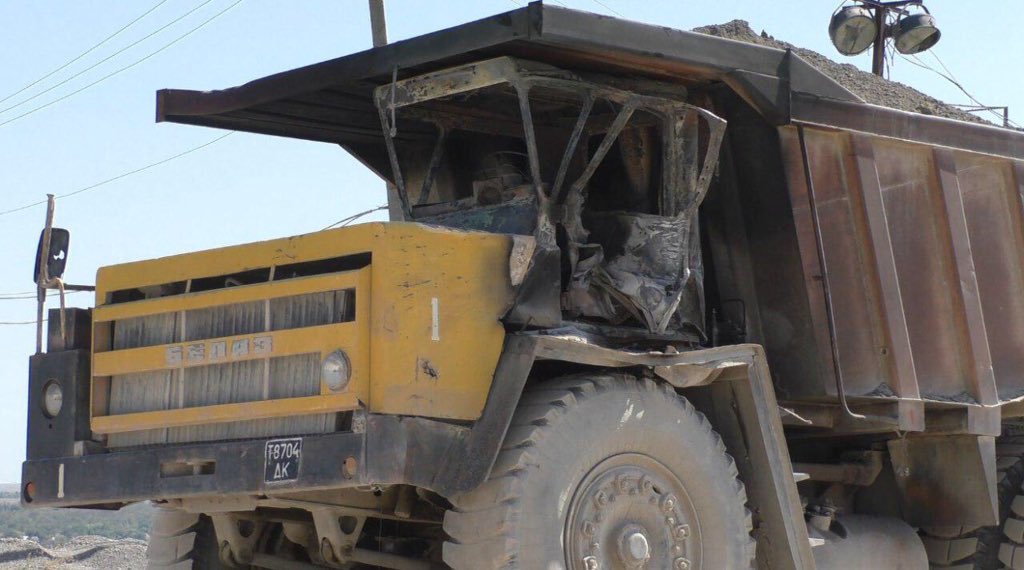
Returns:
point(647, 299)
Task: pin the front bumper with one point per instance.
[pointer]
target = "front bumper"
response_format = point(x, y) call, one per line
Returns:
point(230, 468)
point(441, 456)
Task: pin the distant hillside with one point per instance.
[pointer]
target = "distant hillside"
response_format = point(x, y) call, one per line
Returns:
point(56, 526)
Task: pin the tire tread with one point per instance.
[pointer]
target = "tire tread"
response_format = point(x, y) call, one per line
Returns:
point(481, 523)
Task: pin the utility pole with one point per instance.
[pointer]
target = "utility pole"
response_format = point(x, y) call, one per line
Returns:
point(378, 23)
point(379, 29)
point(878, 56)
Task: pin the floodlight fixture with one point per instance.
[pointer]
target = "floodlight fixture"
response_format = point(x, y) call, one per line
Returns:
point(866, 23)
point(853, 30)
point(915, 33)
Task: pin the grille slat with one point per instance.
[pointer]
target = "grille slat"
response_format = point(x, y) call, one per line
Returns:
point(294, 376)
point(223, 383)
point(311, 310)
point(145, 331)
point(226, 320)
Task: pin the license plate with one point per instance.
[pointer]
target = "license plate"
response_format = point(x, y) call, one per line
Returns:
point(283, 459)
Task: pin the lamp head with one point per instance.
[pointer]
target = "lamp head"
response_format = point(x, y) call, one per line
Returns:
point(853, 30)
point(916, 33)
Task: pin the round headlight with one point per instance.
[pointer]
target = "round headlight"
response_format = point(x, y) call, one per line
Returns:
point(336, 371)
point(53, 398)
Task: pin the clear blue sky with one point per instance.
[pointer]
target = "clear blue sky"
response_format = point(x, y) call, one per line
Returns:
point(251, 187)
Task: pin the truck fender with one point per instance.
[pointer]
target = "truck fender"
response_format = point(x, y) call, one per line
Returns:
point(743, 409)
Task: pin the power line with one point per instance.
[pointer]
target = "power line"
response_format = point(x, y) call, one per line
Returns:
point(127, 67)
point(86, 52)
point(956, 82)
point(920, 63)
point(607, 7)
point(106, 59)
point(346, 221)
point(120, 176)
point(27, 296)
point(32, 322)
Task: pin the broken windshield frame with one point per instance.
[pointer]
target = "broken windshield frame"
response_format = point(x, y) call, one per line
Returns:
point(683, 188)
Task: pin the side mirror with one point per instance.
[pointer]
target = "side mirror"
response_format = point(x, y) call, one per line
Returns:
point(56, 258)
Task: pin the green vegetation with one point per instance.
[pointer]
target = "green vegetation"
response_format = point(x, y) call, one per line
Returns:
point(54, 526)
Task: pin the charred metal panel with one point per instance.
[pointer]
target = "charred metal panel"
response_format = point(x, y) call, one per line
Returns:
point(922, 246)
point(924, 266)
point(783, 301)
point(843, 226)
point(947, 480)
point(534, 304)
point(651, 269)
point(912, 127)
point(992, 212)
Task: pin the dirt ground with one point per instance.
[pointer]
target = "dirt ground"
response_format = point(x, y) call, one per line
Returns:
point(80, 553)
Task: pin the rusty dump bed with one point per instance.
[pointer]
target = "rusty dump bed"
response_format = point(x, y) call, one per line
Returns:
point(879, 246)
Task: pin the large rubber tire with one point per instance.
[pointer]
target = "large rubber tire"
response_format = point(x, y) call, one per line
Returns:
point(991, 547)
point(182, 541)
point(561, 434)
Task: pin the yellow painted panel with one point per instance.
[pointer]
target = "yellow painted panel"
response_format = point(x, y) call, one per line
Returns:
point(429, 333)
point(233, 259)
point(443, 366)
point(228, 296)
point(223, 413)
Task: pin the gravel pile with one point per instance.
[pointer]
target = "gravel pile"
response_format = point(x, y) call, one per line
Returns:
point(868, 86)
point(79, 553)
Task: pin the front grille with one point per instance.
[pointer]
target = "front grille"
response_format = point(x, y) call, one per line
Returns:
point(227, 382)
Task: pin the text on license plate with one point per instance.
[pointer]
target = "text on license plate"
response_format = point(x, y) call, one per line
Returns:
point(283, 458)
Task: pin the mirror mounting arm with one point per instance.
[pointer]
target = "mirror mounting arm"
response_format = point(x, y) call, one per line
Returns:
point(43, 275)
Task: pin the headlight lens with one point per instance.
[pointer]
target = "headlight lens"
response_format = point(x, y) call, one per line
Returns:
point(53, 398)
point(336, 371)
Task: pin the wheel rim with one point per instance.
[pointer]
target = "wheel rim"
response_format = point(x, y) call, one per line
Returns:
point(632, 513)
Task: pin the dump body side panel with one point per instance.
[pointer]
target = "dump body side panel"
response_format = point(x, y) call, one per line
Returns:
point(922, 246)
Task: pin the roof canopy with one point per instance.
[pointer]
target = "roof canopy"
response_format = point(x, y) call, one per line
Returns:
point(332, 101)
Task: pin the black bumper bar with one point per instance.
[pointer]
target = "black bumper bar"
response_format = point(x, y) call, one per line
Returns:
point(230, 468)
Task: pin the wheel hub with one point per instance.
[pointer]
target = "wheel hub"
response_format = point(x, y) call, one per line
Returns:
point(634, 548)
point(632, 513)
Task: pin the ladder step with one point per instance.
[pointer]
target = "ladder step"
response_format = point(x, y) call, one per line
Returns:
point(801, 477)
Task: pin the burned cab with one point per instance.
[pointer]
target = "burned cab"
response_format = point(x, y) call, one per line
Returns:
point(607, 174)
